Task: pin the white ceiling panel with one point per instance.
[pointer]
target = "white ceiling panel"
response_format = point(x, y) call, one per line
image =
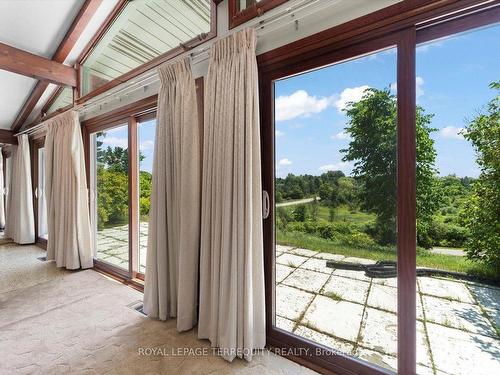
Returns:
point(36, 26)
point(14, 90)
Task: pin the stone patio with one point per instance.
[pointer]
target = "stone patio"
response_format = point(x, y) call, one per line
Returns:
point(349, 312)
point(354, 314)
point(112, 245)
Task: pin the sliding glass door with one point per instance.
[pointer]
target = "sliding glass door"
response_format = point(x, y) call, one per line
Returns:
point(110, 186)
point(380, 164)
point(120, 159)
point(334, 212)
point(39, 197)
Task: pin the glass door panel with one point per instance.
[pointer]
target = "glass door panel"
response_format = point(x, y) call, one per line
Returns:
point(458, 132)
point(110, 198)
point(146, 147)
point(40, 195)
point(335, 207)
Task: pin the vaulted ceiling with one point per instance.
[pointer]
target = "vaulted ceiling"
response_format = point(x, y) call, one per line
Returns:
point(38, 27)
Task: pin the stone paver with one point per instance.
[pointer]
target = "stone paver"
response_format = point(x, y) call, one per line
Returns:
point(304, 252)
point(463, 316)
point(112, 245)
point(282, 272)
point(308, 280)
point(321, 338)
point(458, 352)
point(352, 313)
point(318, 265)
point(291, 260)
point(346, 289)
point(337, 318)
point(286, 294)
point(444, 289)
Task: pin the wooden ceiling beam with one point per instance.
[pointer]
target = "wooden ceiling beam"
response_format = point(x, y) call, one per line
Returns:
point(76, 29)
point(21, 62)
point(7, 137)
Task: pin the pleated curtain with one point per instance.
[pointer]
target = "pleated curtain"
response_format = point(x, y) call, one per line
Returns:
point(68, 222)
point(171, 282)
point(232, 306)
point(20, 220)
point(2, 193)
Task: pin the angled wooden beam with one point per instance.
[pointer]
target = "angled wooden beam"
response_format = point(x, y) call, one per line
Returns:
point(28, 105)
point(21, 62)
point(76, 29)
point(7, 136)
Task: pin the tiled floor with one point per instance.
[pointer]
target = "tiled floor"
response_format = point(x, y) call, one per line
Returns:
point(112, 245)
point(352, 313)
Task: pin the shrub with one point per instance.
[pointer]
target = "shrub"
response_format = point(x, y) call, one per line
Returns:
point(357, 239)
point(299, 213)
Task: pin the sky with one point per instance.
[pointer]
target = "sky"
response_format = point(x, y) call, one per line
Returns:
point(452, 81)
point(117, 137)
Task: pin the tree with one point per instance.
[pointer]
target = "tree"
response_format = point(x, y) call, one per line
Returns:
point(481, 212)
point(372, 127)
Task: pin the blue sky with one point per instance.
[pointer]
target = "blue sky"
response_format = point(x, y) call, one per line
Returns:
point(453, 75)
point(117, 137)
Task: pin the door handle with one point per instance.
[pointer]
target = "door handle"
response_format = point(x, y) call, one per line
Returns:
point(36, 192)
point(266, 206)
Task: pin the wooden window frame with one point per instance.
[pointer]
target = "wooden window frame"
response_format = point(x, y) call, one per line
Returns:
point(36, 143)
point(413, 22)
point(128, 115)
point(120, 6)
point(237, 18)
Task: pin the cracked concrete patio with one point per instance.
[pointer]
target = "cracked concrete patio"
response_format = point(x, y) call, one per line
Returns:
point(354, 314)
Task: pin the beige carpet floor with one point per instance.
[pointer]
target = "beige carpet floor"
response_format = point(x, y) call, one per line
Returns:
point(79, 322)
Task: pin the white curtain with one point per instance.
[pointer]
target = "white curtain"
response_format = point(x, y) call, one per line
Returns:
point(69, 242)
point(20, 221)
point(232, 307)
point(171, 285)
point(2, 193)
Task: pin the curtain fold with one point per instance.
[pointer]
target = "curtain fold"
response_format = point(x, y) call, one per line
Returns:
point(232, 305)
point(20, 222)
point(68, 222)
point(171, 284)
point(2, 193)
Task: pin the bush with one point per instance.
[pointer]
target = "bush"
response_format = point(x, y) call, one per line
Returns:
point(299, 213)
point(357, 239)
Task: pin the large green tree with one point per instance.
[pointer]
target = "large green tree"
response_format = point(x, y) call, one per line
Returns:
point(372, 127)
point(481, 214)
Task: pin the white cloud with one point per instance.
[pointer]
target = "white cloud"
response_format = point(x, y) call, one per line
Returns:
point(284, 162)
point(299, 104)
point(340, 166)
point(115, 142)
point(350, 94)
point(452, 132)
point(279, 133)
point(419, 91)
point(341, 135)
point(146, 145)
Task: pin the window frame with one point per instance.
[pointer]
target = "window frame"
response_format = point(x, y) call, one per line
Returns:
point(115, 13)
point(418, 24)
point(237, 18)
point(36, 143)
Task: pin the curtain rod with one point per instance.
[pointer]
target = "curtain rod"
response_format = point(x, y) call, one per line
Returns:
point(261, 25)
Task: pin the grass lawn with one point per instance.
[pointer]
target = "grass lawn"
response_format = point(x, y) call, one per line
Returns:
point(424, 258)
